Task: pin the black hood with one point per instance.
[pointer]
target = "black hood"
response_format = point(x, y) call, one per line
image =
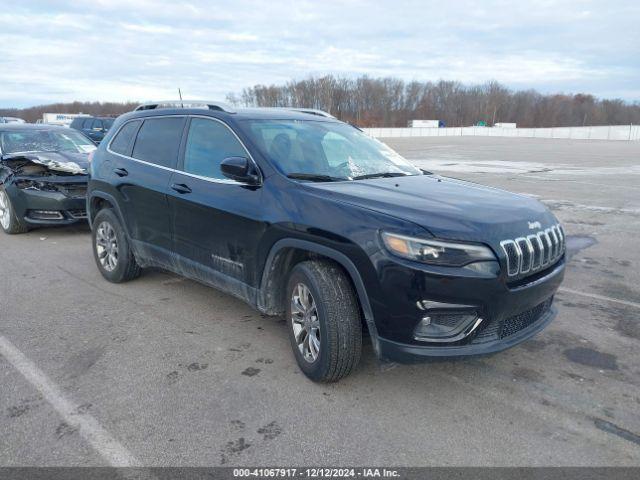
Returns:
point(69, 162)
point(447, 208)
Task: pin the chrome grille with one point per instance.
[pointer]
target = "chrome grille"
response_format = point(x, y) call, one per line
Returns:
point(533, 252)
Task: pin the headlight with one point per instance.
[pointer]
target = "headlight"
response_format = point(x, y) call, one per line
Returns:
point(436, 252)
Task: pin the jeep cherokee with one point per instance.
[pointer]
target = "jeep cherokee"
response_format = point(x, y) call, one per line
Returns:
point(300, 214)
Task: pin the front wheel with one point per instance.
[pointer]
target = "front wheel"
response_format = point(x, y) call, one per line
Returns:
point(111, 249)
point(325, 329)
point(9, 222)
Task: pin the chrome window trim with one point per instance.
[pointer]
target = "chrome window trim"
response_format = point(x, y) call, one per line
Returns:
point(227, 181)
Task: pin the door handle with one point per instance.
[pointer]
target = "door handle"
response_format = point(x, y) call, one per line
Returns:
point(181, 188)
point(121, 172)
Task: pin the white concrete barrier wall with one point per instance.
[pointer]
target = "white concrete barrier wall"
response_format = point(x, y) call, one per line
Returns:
point(605, 132)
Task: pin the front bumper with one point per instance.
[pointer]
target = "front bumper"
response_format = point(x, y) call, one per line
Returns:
point(43, 207)
point(406, 353)
point(510, 313)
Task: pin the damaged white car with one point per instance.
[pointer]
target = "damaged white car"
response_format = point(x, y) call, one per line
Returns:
point(43, 176)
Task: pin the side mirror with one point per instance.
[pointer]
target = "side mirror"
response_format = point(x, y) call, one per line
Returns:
point(240, 169)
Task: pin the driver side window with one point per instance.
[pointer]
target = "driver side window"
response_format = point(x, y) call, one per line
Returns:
point(208, 143)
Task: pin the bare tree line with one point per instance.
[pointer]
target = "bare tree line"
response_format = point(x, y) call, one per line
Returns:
point(31, 114)
point(391, 102)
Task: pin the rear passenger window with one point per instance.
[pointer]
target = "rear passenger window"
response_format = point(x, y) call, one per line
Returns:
point(158, 141)
point(209, 142)
point(121, 143)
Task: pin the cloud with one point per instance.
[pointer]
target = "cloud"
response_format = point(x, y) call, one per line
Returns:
point(147, 28)
point(144, 49)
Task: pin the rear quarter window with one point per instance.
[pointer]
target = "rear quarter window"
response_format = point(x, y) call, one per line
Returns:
point(123, 140)
point(158, 141)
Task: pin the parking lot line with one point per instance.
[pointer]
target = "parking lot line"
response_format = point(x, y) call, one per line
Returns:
point(601, 297)
point(114, 453)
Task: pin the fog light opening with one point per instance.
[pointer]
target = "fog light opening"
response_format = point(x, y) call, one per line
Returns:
point(447, 326)
point(45, 215)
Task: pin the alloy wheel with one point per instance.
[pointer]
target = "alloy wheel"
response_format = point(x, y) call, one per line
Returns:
point(107, 246)
point(305, 322)
point(5, 210)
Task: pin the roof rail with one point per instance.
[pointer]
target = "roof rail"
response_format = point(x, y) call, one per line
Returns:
point(211, 105)
point(311, 111)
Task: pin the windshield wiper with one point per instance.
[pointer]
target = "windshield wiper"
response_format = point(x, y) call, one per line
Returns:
point(381, 175)
point(312, 177)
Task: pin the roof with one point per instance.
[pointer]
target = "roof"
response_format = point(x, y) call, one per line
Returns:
point(30, 126)
point(285, 113)
point(215, 108)
point(239, 114)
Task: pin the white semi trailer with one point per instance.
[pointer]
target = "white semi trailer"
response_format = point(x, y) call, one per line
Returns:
point(63, 119)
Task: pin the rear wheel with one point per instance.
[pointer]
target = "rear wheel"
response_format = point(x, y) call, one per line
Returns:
point(324, 321)
point(9, 221)
point(111, 249)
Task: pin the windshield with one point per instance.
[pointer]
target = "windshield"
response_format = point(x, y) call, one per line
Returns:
point(44, 141)
point(325, 150)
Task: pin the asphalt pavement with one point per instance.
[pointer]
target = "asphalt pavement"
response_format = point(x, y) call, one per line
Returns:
point(163, 371)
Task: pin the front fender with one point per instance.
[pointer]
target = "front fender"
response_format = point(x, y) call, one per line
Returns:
point(338, 257)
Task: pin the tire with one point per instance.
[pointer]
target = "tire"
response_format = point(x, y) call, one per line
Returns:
point(9, 221)
point(337, 317)
point(111, 249)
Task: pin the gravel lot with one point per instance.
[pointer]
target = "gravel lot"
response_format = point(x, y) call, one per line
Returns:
point(164, 371)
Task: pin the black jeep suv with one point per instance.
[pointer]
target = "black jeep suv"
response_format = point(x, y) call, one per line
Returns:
point(299, 214)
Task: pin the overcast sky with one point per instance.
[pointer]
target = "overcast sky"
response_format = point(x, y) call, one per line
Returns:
point(146, 49)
